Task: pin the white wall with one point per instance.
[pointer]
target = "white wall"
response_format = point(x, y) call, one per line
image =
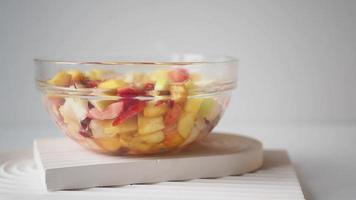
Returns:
point(297, 58)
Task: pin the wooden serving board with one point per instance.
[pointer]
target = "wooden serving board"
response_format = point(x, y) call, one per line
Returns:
point(66, 165)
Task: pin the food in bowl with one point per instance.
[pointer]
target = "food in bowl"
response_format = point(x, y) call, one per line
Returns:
point(134, 113)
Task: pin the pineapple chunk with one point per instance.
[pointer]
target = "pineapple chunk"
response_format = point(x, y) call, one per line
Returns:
point(153, 138)
point(185, 124)
point(161, 78)
point(112, 84)
point(148, 125)
point(193, 105)
point(109, 144)
point(96, 74)
point(178, 92)
point(129, 125)
point(76, 75)
point(152, 110)
point(61, 79)
point(137, 144)
point(101, 104)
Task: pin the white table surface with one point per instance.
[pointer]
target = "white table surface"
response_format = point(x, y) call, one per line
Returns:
point(324, 155)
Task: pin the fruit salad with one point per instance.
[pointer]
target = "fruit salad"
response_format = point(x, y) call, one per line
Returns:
point(133, 113)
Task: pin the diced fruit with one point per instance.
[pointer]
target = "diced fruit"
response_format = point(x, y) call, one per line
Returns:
point(153, 138)
point(76, 107)
point(161, 78)
point(61, 79)
point(110, 112)
point(77, 76)
point(137, 144)
point(173, 114)
point(109, 144)
point(178, 92)
point(112, 84)
point(172, 138)
point(185, 124)
point(148, 86)
point(178, 75)
point(206, 107)
point(131, 110)
point(153, 110)
point(209, 109)
point(97, 129)
point(128, 125)
point(192, 137)
point(193, 105)
point(190, 86)
point(101, 104)
point(96, 74)
point(128, 92)
point(148, 125)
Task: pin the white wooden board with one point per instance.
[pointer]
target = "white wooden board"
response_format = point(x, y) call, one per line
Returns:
point(65, 165)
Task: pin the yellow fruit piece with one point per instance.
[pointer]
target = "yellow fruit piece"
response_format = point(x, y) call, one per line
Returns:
point(109, 144)
point(189, 85)
point(207, 106)
point(101, 104)
point(112, 84)
point(76, 75)
point(185, 124)
point(148, 125)
point(97, 74)
point(193, 105)
point(61, 79)
point(178, 92)
point(127, 126)
point(137, 144)
point(173, 139)
point(153, 138)
point(152, 110)
point(161, 78)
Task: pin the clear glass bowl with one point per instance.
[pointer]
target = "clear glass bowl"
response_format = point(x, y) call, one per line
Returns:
point(137, 106)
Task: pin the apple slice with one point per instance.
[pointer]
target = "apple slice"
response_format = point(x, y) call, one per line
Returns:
point(110, 112)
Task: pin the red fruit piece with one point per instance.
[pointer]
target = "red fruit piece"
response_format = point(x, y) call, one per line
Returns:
point(131, 110)
point(128, 92)
point(110, 112)
point(90, 83)
point(178, 75)
point(148, 86)
point(172, 114)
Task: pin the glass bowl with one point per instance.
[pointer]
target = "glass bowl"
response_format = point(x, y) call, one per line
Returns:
point(137, 106)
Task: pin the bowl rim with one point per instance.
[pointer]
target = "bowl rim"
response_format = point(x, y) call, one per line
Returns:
point(152, 60)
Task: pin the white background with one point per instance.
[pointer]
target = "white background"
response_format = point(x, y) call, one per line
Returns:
point(297, 66)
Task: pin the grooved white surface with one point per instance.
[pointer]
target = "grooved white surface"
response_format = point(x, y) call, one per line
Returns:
point(19, 179)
